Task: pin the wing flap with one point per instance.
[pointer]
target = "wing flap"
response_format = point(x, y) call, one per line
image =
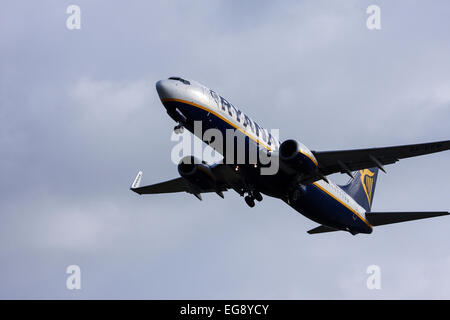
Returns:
point(383, 218)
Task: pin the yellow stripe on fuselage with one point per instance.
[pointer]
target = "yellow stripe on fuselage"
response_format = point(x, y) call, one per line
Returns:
point(221, 117)
point(232, 124)
point(345, 205)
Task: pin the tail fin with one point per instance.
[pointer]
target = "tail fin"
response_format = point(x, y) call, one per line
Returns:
point(362, 187)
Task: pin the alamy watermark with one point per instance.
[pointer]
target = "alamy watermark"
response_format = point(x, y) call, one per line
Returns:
point(374, 280)
point(373, 22)
point(73, 281)
point(237, 148)
point(73, 21)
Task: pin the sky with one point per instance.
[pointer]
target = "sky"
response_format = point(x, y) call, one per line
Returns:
point(80, 116)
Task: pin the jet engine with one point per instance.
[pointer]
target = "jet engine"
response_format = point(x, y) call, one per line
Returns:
point(297, 158)
point(197, 172)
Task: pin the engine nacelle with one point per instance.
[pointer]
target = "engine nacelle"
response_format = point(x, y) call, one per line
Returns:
point(197, 172)
point(297, 157)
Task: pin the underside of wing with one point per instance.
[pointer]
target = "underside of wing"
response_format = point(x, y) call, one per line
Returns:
point(224, 178)
point(383, 218)
point(174, 185)
point(346, 161)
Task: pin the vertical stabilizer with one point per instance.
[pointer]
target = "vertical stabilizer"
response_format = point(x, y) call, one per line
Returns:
point(362, 187)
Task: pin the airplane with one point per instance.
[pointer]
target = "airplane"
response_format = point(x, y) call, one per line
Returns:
point(301, 178)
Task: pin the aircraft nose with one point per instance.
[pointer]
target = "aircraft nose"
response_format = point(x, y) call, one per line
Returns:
point(163, 89)
point(173, 88)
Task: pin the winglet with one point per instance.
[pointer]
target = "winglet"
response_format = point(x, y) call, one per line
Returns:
point(137, 181)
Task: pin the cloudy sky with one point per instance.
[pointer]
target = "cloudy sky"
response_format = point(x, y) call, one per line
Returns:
point(79, 116)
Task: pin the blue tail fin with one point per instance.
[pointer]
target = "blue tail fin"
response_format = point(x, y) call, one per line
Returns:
point(362, 187)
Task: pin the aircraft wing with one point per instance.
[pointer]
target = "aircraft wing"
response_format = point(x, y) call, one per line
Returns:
point(174, 185)
point(225, 180)
point(346, 161)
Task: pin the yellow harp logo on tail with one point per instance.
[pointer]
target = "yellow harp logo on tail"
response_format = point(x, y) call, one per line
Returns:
point(367, 182)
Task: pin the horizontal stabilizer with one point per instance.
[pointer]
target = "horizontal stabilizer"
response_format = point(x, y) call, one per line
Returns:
point(322, 229)
point(382, 218)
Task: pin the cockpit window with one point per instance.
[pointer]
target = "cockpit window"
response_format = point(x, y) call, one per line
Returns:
point(180, 79)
